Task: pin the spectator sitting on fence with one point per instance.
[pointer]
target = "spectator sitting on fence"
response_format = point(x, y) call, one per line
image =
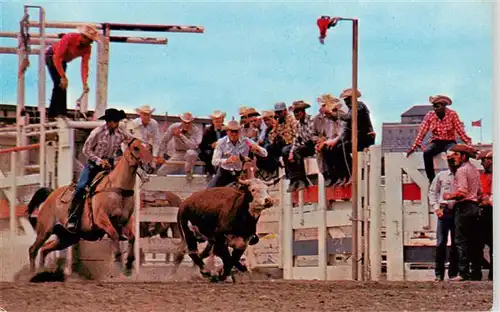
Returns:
point(443, 183)
point(212, 134)
point(327, 132)
point(301, 147)
point(444, 124)
point(228, 153)
point(186, 137)
point(70, 46)
point(268, 167)
point(466, 192)
point(147, 128)
point(366, 137)
point(283, 131)
point(486, 203)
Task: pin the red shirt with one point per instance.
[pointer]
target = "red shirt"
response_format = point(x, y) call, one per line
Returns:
point(486, 183)
point(442, 129)
point(67, 49)
point(467, 181)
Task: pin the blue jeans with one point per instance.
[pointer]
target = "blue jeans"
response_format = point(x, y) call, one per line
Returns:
point(435, 148)
point(445, 225)
point(88, 173)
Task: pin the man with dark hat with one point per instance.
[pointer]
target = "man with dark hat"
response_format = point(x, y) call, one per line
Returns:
point(486, 203)
point(444, 124)
point(466, 193)
point(100, 148)
point(301, 147)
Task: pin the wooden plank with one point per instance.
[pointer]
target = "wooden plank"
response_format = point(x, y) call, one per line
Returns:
point(175, 183)
point(159, 245)
point(29, 179)
point(334, 218)
point(313, 273)
point(334, 246)
point(158, 214)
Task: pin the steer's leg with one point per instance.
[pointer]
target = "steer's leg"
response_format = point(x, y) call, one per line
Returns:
point(192, 245)
point(221, 250)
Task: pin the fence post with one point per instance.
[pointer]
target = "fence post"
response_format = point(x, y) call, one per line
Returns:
point(13, 193)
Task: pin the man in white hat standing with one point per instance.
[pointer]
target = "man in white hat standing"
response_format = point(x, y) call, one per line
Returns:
point(57, 56)
point(187, 137)
point(147, 128)
point(212, 134)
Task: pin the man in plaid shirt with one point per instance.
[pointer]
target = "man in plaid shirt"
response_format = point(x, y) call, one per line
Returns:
point(466, 192)
point(301, 147)
point(444, 124)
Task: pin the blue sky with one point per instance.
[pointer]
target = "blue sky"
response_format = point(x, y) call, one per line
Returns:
point(258, 53)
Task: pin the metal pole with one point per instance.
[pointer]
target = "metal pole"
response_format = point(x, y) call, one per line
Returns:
point(41, 96)
point(354, 139)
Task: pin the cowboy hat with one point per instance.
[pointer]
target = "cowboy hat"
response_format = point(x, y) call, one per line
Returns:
point(484, 154)
point(268, 114)
point(233, 125)
point(251, 112)
point(299, 105)
point(112, 114)
point(242, 110)
point(327, 98)
point(145, 109)
point(186, 117)
point(280, 106)
point(89, 31)
point(464, 149)
point(440, 99)
point(348, 93)
point(217, 114)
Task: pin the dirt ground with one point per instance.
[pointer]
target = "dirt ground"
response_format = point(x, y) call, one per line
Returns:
point(246, 295)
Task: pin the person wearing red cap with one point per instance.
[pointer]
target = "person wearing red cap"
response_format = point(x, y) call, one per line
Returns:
point(466, 193)
point(486, 203)
point(444, 124)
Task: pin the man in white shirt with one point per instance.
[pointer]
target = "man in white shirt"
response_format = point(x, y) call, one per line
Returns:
point(228, 152)
point(147, 128)
point(442, 184)
point(186, 137)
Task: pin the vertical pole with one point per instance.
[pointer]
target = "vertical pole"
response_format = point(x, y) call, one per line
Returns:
point(13, 193)
point(375, 212)
point(322, 232)
point(137, 216)
point(20, 132)
point(354, 151)
point(102, 73)
point(286, 206)
point(41, 98)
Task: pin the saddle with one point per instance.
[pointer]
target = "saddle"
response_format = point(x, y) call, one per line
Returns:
point(68, 194)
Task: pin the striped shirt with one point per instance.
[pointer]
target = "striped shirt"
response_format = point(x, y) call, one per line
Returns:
point(304, 133)
point(467, 181)
point(103, 143)
point(225, 148)
point(186, 141)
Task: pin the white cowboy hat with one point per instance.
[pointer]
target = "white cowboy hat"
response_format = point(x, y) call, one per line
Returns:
point(187, 117)
point(145, 109)
point(217, 114)
point(89, 31)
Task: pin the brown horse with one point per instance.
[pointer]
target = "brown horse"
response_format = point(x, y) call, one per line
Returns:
point(108, 208)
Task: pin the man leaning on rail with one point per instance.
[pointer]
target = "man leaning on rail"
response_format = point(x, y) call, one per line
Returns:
point(57, 56)
point(101, 147)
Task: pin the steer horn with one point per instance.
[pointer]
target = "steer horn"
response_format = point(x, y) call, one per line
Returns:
point(274, 182)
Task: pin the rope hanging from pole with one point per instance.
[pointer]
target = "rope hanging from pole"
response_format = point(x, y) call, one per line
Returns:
point(24, 44)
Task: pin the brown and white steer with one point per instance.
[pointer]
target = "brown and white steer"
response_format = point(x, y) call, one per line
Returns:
point(226, 217)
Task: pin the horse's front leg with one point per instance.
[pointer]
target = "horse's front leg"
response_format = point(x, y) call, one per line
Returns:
point(102, 221)
point(128, 231)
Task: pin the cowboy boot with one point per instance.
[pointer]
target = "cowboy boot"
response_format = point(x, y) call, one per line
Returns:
point(75, 211)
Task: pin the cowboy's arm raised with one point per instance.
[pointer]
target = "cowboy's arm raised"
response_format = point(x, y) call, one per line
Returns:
point(89, 146)
point(195, 140)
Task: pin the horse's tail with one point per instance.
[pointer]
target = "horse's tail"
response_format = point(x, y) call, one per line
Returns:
point(38, 198)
